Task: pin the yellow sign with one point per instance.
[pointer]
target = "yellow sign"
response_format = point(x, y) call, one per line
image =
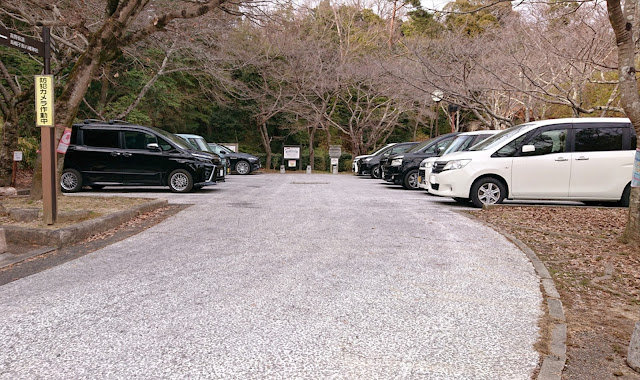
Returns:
point(44, 100)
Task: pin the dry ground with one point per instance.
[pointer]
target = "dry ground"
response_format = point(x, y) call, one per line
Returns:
point(598, 279)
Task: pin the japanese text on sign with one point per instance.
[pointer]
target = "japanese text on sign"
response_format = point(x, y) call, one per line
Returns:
point(44, 100)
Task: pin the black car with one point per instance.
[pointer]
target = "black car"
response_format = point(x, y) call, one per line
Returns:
point(241, 163)
point(371, 164)
point(118, 153)
point(402, 169)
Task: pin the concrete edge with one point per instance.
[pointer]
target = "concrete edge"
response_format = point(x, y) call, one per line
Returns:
point(552, 364)
point(77, 232)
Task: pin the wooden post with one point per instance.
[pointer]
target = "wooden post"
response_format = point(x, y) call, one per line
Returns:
point(47, 141)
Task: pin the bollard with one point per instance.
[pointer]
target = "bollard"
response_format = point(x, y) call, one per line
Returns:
point(308, 169)
point(281, 169)
point(334, 169)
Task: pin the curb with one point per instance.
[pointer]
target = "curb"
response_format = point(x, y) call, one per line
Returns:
point(63, 237)
point(553, 364)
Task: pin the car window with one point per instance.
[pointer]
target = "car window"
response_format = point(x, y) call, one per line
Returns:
point(547, 142)
point(500, 138)
point(400, 149)
point(458, 144)
point(508, 150)
point(166, 146)
point(138, 140)
point(100, 138)
point(200, 144)
point(439, 145)
point(598, 139)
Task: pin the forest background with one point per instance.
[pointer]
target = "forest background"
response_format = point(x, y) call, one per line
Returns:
point(353, 73)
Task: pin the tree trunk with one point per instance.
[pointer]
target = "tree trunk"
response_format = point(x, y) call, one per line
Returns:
point(623, 24)
point(312, 152)
point(266, 142)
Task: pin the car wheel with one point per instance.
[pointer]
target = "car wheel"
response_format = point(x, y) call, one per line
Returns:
point(626, 194)
point(242, 167)
point(410, 180)
point(180, 181)
point(97, 187)
point(462, 200)
point(71, 181)
point(487, 191)
point(375, 172)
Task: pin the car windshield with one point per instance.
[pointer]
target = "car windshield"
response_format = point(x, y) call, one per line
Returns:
point(382, 150)
point(175, 140)
point(199, 143)
point(221, 148)
point(420, 146)
point(459, 143)
point(500, 138)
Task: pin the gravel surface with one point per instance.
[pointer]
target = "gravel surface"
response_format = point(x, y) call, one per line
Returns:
point(283, 276)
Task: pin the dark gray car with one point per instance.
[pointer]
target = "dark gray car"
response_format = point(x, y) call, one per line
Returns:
point(241, 163)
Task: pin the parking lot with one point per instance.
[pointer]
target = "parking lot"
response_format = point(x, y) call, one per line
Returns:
point(283, 276)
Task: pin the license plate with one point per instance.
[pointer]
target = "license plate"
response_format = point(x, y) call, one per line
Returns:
point(432, 179)
point(419, 179)
point(221, 172)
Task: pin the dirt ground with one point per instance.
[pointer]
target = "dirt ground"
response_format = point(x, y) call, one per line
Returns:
point(598, 279)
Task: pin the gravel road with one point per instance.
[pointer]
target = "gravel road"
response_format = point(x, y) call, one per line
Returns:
point(283, 276)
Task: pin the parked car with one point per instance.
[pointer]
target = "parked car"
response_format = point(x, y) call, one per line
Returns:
point(117, 153)
point(241, 163)
point(371, 165)
point(356, 160)
point(462, 142)
point(585, 159)
point(402, 169)
point(199, 143)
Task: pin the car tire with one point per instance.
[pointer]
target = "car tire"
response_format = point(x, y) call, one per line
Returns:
point(487, 191)
point(97, 187)
point(70, 181)
point(180, 181)
point(626, 194)
point(375, 172)
point(410, 180)
point(242, 167)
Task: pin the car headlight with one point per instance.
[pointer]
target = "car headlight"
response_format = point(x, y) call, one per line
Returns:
point(427, 164)
point(368, 159)
point(253, 159)
point(456, 164)
point(397, 161)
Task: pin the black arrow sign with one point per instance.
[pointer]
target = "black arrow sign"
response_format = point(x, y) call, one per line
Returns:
point(20, 42)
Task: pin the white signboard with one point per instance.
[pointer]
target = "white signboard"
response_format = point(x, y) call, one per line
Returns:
point(334, 161)
point(292, 163)
point(17, 156)
point(292, 152)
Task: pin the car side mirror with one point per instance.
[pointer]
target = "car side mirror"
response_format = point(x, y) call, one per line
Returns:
point(153, 146)
point(528, 148)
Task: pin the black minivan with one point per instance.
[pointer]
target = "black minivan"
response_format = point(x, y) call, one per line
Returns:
point(117, 153)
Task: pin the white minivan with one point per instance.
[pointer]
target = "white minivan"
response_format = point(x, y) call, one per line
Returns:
point(582, 159)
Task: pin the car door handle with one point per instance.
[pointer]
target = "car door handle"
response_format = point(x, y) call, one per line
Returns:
point(582, 158)
point(126, 154)
point(115, 154)
point(562, 159)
